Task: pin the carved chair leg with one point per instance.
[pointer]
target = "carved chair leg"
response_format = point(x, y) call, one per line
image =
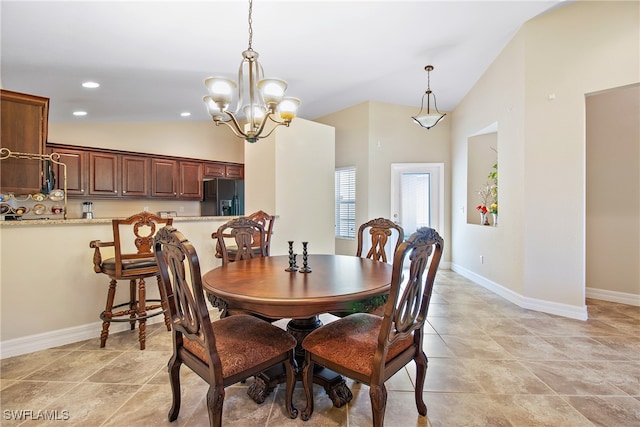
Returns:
point(378, 396)
point(215, 399)
point(307, 382)
point(421, 372)
point(133, 308)
point(165, 305)
point(108, 313)
point(142, 311)
point(174, 379)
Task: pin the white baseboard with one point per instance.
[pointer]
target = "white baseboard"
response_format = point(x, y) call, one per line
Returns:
point(613, 296)
point(565, 310)
point(45, 340)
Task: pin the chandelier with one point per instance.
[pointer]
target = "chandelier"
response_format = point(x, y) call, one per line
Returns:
point(258, 100)
point(428, 119)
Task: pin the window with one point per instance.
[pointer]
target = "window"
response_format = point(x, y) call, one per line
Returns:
point(346, 202)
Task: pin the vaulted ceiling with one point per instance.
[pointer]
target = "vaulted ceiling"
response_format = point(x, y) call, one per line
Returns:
point(151, 57)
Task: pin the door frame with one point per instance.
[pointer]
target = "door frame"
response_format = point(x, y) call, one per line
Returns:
point(437, 189)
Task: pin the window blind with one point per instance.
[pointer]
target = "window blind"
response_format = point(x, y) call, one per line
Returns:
point(345, 192)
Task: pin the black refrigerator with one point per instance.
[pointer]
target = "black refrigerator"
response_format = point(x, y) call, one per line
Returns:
point(223, 197)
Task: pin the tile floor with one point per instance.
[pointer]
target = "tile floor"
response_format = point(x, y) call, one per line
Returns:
point(491, 363)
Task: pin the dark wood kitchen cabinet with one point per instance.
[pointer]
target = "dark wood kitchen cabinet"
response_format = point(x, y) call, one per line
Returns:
point(190, 180)
point(135, 176)
point(103, 174)
point(221, 170)
point(96, 173)
point(76, 161)
point(176, 179)
point(23, 129)
point(164, 174)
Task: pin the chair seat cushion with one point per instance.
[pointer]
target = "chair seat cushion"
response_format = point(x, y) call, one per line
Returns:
point(351, 342)
point(129, 264)
point(244, 342)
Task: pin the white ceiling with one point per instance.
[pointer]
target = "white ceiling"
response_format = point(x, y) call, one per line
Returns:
point(151, 57)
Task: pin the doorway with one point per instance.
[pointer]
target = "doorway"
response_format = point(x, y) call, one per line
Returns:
point(417, 192)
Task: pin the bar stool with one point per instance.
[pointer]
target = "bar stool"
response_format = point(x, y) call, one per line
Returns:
point(133, 261)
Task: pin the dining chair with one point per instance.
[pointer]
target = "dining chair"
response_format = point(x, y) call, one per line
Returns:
point(223, 352)
point(248, 241)
point(370, 348)
point(134, 261)
point(375, 236)
point(262, 218)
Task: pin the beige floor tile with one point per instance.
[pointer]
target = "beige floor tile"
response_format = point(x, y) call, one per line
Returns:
point(539, 411)
point(131, 367)
point(608, 411)
point(20, 366)
point(464, 409)
point(76, 366)
point(505, 377)
point(572, 378)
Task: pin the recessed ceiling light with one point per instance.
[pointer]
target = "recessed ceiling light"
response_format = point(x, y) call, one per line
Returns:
point(90, 85)
point(79, 113)
point(185, 114)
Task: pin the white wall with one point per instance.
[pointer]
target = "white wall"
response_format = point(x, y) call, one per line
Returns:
point(290, 175)
point(535, 91)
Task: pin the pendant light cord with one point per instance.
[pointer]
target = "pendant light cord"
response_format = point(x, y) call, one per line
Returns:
point(250, 24)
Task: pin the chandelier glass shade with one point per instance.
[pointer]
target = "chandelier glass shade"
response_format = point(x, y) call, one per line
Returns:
point(428, 119)
point(247, 106)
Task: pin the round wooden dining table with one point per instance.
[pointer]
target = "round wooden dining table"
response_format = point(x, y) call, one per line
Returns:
point(336, 283)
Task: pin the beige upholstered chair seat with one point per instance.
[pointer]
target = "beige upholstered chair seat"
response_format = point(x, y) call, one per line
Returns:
point(238, 354)
point(352, 341)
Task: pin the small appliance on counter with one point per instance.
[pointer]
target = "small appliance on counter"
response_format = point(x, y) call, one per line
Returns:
point(87, 210)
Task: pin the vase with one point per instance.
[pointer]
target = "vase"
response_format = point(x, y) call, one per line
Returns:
point(495, 219)
point(483, 219)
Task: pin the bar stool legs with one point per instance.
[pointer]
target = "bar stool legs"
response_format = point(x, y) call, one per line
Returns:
point(137, 309)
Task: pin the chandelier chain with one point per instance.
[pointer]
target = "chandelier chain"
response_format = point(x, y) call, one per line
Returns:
point(250, 24)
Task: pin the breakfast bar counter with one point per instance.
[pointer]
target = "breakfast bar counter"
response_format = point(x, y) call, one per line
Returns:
point(50, 294)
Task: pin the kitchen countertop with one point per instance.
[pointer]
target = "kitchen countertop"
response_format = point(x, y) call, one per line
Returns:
point(57, 221)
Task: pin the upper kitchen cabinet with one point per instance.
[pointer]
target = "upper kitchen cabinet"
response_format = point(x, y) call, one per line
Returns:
point(103, 174)
point(23, 127)
point(135, 176)
point(190, 180)
point(221, 170)
point(176, 179)
point(76, 165)
point(164, 173)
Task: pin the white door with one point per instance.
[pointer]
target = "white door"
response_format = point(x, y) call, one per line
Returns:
point(417, 192)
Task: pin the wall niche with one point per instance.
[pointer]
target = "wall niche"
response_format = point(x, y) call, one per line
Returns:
point(482, 176)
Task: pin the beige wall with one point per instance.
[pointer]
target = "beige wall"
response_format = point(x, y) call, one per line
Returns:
point(535, 91)
point(290, 175)
point(613, 192)
point(373, 135)
point(201, 140)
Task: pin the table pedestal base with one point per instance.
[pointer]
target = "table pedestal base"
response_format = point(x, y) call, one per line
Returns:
point(333, 383)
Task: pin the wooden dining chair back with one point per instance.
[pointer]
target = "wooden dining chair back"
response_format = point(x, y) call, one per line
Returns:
point(223, 352)
point(376, 236)
point(247, 240)
point(383, 233)
point(369, 348)
point(267, 221)
point(133, 260)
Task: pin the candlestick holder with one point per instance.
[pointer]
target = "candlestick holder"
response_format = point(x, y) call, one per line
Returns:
point(292, 259)
point(305, 265)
